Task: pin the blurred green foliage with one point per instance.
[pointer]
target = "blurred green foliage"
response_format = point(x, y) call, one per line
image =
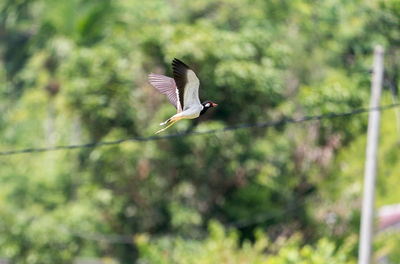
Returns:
point(220, 247)
point(75, 71)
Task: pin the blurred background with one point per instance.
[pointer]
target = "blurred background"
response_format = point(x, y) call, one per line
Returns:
point(75, 71)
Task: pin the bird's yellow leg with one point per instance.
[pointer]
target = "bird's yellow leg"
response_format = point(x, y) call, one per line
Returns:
point(172, 121)
point(161, 130)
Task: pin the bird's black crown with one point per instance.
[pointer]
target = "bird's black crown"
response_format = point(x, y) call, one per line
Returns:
point(207, 104)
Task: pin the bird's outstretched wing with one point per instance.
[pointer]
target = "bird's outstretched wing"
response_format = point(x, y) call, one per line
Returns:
point(187, 84)
point(167, 86)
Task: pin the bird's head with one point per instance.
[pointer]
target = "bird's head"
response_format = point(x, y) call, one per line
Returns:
point(206, 105)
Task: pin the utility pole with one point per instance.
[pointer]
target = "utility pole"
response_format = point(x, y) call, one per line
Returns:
point(367, 215)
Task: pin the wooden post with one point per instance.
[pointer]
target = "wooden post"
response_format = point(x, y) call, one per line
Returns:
point(367, 215)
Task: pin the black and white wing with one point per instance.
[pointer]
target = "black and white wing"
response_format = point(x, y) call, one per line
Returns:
point(187, 84)
point(167, 86)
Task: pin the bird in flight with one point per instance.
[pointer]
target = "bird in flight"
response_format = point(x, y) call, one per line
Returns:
point(182, 91)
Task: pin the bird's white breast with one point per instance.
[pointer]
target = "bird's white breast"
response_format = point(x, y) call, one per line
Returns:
point(193, 111)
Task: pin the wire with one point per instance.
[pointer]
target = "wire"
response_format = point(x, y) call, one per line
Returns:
point(128, 239)
point(197, 133)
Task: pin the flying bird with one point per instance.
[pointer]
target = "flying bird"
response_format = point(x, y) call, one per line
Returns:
point(182, 91)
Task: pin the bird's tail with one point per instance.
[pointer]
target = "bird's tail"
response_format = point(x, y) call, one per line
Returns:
point(171, 120)
point(166, 122)
point(176, 117)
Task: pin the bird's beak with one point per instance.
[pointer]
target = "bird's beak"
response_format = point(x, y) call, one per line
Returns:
point(213, 104)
